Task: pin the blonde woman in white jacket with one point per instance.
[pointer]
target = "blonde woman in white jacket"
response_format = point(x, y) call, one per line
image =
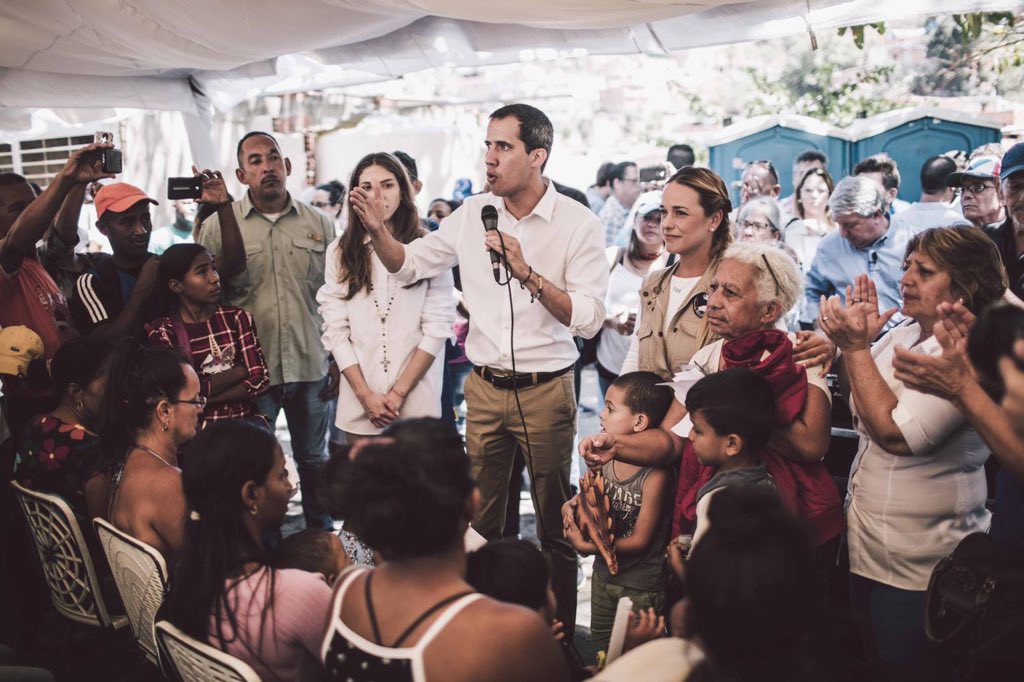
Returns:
point(387, 339)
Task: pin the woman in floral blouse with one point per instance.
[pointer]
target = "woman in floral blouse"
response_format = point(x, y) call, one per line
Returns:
point(59, 450)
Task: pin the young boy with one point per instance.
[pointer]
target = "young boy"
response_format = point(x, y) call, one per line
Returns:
point(733, 414)
point(640, 497)
point(313, 550)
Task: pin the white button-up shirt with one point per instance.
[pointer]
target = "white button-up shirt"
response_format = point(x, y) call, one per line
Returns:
point(379, 330)
point(561, 239)
point(905, 513)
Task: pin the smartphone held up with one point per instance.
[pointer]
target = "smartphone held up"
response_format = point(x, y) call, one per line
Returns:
point(112, 159)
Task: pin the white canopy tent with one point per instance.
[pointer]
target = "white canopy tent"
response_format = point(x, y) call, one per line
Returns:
point(83, 58)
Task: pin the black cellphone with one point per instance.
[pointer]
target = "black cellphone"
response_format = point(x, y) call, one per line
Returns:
point(113, 160)
point(190, 187)
point(653, 174)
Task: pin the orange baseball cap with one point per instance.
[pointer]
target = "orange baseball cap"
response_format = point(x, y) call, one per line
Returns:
point(118, 197)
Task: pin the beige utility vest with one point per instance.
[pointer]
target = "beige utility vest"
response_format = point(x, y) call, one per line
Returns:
point(662, 350)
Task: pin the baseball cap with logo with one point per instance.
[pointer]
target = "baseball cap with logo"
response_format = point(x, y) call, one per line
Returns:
point(1013, 161)
point(119, 197)
point(18, 347)
point(981, 168)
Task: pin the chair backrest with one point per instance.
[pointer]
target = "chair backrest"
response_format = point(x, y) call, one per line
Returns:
point(194, 660)
point(64, 557)
point(140, 573)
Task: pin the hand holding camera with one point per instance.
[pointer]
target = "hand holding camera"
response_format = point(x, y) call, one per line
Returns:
point(206, 187)
point(86, 164)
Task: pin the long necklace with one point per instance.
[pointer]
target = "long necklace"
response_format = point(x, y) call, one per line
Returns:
point(152, 452)
point(382, 315)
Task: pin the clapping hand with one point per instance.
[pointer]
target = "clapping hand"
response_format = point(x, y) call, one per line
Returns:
point(941, 375)
point(854, 326)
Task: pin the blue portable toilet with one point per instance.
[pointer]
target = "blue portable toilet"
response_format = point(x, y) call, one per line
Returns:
point(910, 136)
point(777, 138)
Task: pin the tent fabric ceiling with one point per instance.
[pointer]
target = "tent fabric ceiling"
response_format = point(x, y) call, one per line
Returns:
point(152, 54)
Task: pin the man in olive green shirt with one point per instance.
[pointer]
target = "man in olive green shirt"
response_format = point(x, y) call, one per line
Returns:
point(285, 241)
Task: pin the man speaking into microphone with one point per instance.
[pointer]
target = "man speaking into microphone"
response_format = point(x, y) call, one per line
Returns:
point(552, 247)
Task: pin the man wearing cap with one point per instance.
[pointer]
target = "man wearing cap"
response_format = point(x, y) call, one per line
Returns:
point(979, 192)
point(285, 244)
point(1009, 237)
point(28, 294)
point(110, 300)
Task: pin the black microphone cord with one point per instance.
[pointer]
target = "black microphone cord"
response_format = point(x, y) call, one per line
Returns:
point(555, 564)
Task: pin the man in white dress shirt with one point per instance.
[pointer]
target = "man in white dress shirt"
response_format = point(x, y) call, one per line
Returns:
point(554, 251)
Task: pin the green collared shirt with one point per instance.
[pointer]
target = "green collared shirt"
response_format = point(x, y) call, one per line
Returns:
point(284, 270)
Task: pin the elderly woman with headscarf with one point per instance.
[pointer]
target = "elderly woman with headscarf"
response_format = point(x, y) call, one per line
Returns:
point(751, 288)
point(917, 486)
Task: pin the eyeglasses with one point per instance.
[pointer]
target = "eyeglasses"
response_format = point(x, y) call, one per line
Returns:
point(198, 401)
point(753, 225)
point(976, 188)
point(319, 204)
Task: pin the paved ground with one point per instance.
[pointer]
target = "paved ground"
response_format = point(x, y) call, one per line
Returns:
point(587, 423)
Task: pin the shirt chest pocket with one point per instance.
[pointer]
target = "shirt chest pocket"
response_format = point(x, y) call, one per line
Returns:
point(255, 267)
point(307, 259)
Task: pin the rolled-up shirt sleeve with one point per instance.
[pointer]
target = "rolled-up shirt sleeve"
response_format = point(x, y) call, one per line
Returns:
point(925, 420)
point(438, 313)
point(433, 253)
point(336, 333)
point(586, 279)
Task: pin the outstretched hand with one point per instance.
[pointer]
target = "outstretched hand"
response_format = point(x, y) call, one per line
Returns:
point(943, 375)
point(597, 450)
point(854, 326)
point(371, 207)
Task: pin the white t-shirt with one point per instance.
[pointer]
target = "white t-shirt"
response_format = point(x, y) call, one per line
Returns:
point(679, 292)
point(623, 297)
point(710, 356)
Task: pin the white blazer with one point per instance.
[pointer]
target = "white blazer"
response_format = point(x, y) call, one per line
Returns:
point(379, 330)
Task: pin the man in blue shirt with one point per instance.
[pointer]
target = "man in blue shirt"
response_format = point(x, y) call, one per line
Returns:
point(865, 242)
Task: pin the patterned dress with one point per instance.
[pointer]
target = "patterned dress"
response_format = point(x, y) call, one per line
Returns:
point(56, 457)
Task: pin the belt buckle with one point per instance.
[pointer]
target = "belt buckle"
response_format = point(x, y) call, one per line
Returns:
point(504, 376)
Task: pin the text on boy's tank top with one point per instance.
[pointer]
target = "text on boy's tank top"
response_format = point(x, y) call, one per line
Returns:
point(351, 657)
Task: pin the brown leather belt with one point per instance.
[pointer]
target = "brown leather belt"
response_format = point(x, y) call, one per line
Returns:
point(508, 380)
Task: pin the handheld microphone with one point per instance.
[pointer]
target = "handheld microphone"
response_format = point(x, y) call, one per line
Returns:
point(489, 217)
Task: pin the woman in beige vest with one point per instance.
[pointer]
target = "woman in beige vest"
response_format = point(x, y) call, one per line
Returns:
point(672, 324)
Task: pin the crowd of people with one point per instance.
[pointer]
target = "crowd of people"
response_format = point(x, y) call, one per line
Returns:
point(143, 386)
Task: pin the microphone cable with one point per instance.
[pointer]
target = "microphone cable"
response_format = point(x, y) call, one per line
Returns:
point(555, 563)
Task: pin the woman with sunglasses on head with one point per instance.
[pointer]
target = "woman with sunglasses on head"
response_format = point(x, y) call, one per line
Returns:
point(223, 590)
point(151, 408)
point(220, 341)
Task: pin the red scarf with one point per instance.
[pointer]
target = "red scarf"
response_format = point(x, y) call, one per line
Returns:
point(806, 489)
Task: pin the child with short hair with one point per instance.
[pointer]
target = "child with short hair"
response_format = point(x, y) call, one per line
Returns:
point(313, 550)
point(733, 414)
point(640, 498)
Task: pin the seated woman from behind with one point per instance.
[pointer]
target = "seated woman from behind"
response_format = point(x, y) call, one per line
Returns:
point(224, 590)
point(60, 450)
point(748, 604)
point(413, 617)
point(151, 407)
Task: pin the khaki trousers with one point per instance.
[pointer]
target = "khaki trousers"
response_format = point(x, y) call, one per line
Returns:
point(494, 431)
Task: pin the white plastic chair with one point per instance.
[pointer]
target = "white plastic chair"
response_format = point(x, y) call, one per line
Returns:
point(194, 660)
point(65, 559)
point(140, 573)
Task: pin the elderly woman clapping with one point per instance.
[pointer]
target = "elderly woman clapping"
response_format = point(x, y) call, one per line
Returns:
point(917, 486)
point(753, 286)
